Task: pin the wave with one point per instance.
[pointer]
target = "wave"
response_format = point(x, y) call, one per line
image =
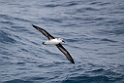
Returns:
point(6, 37)
point(18, 81)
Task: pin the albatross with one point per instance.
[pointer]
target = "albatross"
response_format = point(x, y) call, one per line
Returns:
point(54, 41)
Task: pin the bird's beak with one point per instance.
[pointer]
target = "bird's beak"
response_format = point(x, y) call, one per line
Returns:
point(63, 41)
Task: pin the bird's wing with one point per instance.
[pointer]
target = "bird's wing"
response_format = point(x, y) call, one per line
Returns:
point(65, 52)
point(44, 32)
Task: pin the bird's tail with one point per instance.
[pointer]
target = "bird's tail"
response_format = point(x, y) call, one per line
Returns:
point(43, 43)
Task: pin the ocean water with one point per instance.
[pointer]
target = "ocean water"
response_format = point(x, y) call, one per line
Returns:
point(94, 35)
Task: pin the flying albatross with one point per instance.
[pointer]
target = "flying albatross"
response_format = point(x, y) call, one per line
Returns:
point(54, 41)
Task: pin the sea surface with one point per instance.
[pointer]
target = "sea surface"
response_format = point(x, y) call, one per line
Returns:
point(92, 29)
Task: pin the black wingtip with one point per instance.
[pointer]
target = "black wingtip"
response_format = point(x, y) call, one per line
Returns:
point(73, 62)
point(36, 27)
point(33, 25)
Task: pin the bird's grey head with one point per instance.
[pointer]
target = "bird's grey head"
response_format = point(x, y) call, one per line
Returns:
point(61, 40)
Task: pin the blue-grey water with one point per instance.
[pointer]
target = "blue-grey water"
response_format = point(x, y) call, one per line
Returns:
point(94, 35)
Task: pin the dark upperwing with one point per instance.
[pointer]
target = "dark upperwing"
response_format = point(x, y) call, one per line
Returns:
point(65, 52)
point(44, 32)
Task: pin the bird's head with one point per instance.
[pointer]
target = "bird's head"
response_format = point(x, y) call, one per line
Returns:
point(61, 40)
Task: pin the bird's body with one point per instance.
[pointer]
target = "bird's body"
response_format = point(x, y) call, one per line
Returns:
point(54, 41)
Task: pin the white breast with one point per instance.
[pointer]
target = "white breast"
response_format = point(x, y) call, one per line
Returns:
point(52, 42)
